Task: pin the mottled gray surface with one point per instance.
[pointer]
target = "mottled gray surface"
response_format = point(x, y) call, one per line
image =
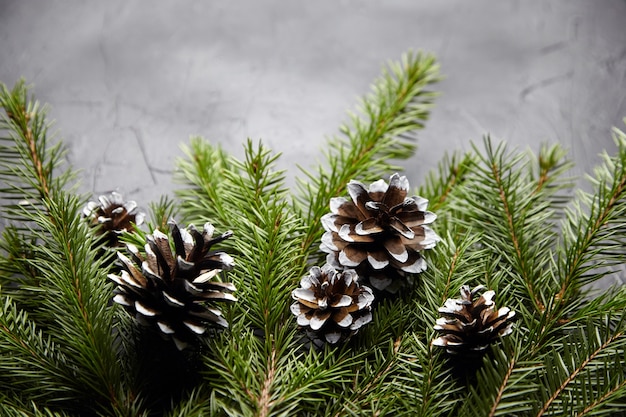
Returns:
point(129, 81)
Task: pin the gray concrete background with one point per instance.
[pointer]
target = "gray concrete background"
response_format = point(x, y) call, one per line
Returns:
point(129, 81)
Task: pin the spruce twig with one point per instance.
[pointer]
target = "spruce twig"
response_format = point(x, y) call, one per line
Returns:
point(67, 286)
point(399, 104)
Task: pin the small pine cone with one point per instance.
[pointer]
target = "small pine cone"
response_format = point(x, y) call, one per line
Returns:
point(114, 216)
point(332, 303)
point(175, 292)
point(380, 232)
point(469, 326)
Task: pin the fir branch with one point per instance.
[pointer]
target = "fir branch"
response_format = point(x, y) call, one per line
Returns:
point(616, 390)
point(267, 231)
point(501, 389)
point(252, 201)
point(59, 262)
point(450, 175)
point(597, 235)
point(76, 295)
point(12, 408)
point(398, 105)
point(30, 361)
point(425, 381)
point(161, 213)
point(27, 160)
point(506, 385)
point(275, 382)
point(517, 212)
point(455, 261)
point(202, 173)
point(591, 357)
point(369, 391)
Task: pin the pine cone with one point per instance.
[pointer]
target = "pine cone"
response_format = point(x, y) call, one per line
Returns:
point(380, 232)
point(332, 303)
point(114, 216)
point(176, 292)
point(469, 326)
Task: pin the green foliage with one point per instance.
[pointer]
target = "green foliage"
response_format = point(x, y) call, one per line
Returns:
point(56, 334)
point(381, 130)
point(508, 220)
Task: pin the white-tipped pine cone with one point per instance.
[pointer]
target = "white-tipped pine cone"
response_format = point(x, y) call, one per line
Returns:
point(332, 303)
point(469, 326)
point(114, 216)
point(176, 292)
point(379, 232)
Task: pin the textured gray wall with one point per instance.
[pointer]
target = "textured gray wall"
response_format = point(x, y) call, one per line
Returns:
point(129, 81)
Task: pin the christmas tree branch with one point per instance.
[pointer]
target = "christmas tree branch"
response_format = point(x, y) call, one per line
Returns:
point(64, 350)
point(268, 264)
point(31, 363)
point(451, 173)
point(366, 390)
point(591, 356)
point(27, 160)
point(506, 385)
point(69, 294)
point(516, 212)
point(399, 104)
point(615, 391)
point(598, 233)
point(426, 384)
point(201, 172)
point(11, 408)
point(501, 389)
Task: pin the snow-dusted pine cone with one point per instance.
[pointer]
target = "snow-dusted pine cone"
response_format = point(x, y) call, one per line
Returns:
point(379, 232)
point(176, 292)
point(470, 326)
point(114, 216)
point(332, 303)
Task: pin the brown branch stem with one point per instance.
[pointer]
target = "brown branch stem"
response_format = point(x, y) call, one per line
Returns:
point(514, 238)
point(575, 373)
point(505, 381)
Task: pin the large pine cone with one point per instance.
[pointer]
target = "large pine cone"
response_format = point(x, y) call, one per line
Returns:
point(114, 216)
point(175, 292)
point(332, 303)
point(380, 232)
point(468, 326)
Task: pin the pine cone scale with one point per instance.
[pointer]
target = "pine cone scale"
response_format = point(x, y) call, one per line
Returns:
point(165, 328)
point(218, 286)
point(145, 310)
point(343, 301)
point(353, 233)
point(361, 321)
point(343, 317)
point(216, 295)
point(378, 259)
point(397, 191)
point(137, 277)
point(397, 249)
point(172, 301)
point(318, 319)
point(162, 254)
point(401, 228)
point(352, 256)
point(368, 227)
point(360, 197)
point(345, 208)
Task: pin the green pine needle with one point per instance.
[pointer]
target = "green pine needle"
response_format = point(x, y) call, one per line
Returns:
point(508, 219)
